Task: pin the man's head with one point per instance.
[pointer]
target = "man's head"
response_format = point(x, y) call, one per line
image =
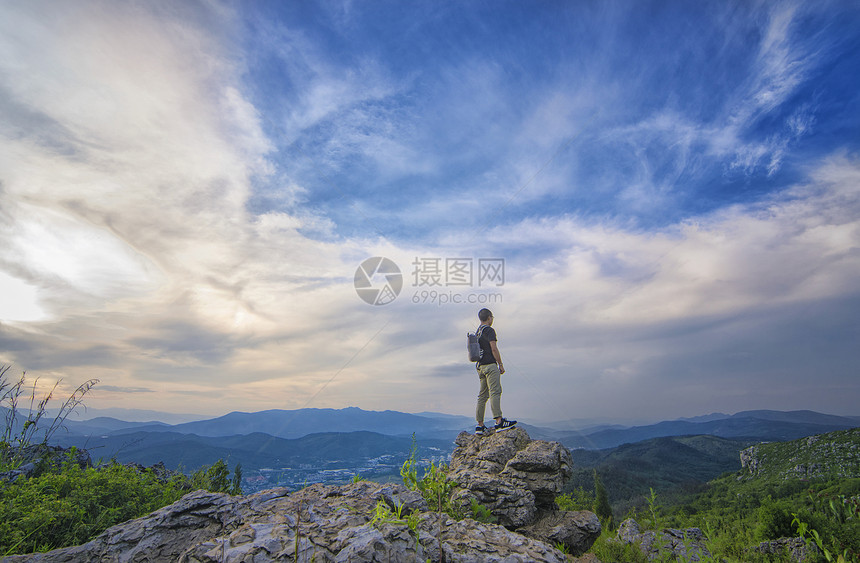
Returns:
point(486, 316)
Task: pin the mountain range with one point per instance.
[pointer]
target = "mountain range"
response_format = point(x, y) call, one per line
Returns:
point(312, 441)
point(760, 425)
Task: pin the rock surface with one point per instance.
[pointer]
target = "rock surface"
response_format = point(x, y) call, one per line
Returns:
point(35, 459)
point(575, 529)
point(792, 549)
point(320, 523)
point(686, 545)
point(517, 479)
point(511, 474)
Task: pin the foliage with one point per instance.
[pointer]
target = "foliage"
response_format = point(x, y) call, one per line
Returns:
point(601, 503)
point(806, 487)
point(63, 503)
point(577, 499)
point(605, 548)
point(674, 466)
point(216, 478)
point(434, 485)
point(384, 515)
point(17, 435)
point(653, 509)
point(737, 515)
point(481, 513)
point(71, 505)
point(437, 488)
point(741, 514)
point(74, 505)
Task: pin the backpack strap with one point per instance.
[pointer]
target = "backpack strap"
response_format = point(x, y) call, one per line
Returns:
point(478, 334)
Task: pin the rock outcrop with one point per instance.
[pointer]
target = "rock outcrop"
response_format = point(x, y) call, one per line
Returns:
point(33, 460)
point(685, 545)
point(832, 455)
point(319, 523)
point(794, 550)
point(517, 479)
point(514, 476)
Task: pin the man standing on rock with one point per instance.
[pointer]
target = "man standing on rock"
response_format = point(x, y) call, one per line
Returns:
point(490, 370)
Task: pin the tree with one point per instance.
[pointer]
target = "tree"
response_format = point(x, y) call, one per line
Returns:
point(601, 503)
point(236, 487)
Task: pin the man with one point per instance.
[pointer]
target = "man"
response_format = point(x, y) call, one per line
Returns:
point(490, 370)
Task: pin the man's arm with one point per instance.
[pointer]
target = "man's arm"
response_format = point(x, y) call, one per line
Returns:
point(495, 348)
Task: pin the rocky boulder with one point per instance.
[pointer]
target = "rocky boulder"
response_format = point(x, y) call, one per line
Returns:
point(685, 545)
point(577, 530)
point(517, 479)
point(790, 549)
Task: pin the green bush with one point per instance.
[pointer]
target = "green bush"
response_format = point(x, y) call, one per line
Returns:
point(70, 505)
point(63, 504)
point(74, 505)
point(775, 520)
point(578, 499)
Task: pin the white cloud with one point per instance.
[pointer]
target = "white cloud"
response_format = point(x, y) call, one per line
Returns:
point(131, 159)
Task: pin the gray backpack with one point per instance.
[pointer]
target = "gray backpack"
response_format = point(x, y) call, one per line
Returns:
point(472, 345)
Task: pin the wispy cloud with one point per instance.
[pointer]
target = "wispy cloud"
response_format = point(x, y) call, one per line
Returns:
point(184, 207)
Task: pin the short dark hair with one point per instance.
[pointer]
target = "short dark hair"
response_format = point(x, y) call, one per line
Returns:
point(484, 314)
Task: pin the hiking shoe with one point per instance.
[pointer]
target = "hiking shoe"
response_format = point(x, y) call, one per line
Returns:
point(481, 430)
point(505, 424)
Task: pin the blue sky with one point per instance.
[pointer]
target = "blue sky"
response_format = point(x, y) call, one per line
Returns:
point(187, 190)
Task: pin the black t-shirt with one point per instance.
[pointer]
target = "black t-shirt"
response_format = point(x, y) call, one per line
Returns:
point(488, 334)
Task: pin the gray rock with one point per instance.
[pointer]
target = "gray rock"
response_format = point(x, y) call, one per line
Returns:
point(686, 544)
point(517, 479)
point(793, 549)
point(498, 469)
point(161, 536)
point(576, 530)
point(512, 506)
point(319, 523)
point(541, 467)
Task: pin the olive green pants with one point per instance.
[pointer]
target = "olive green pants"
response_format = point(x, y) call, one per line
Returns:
point(491, 388)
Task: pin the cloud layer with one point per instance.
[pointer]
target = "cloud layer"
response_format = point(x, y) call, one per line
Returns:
point(187, 191)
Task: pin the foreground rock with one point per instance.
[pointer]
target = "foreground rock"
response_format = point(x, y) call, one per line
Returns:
point(518, 478)
point(320, 523)
point(515, 477)
point(685, 545)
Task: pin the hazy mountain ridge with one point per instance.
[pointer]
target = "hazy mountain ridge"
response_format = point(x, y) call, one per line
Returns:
point(760, 425)
point(255, 450)
point(291, 424)
point(349, 441)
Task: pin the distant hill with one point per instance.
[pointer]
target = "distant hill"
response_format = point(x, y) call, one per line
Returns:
point(754, 425)
point(291, 424)
point(669, 465)
point(253, 451)
point(832, 455)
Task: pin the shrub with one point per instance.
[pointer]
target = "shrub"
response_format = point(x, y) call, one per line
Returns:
point(74, 505)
